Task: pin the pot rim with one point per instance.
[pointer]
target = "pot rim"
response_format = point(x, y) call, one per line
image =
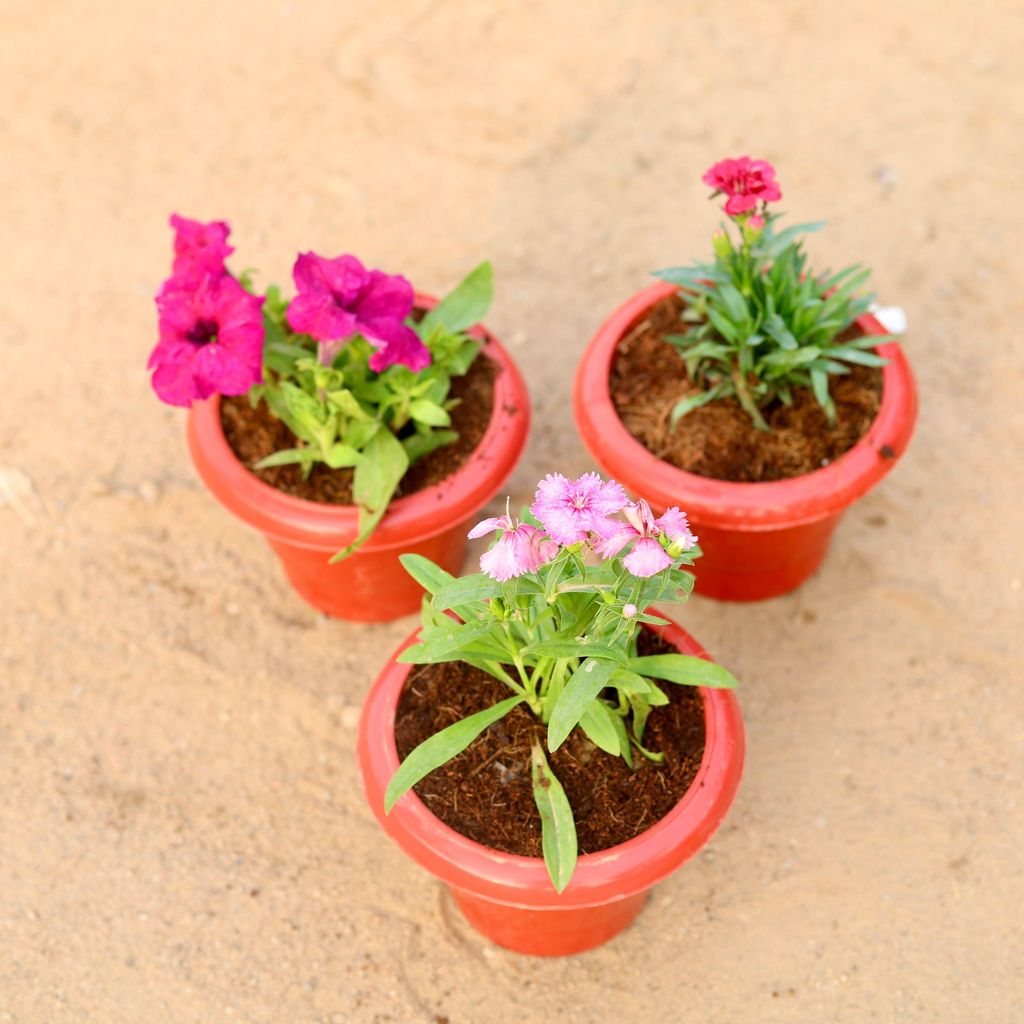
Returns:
point(410, 518)
point(723, 503)
point(519, 881)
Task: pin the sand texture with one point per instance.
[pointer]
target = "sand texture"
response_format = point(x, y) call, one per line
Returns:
point(182, 833)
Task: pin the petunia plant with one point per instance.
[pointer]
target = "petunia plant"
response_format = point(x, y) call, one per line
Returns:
point(554, 616)
point(359, 379)
point(758, 324)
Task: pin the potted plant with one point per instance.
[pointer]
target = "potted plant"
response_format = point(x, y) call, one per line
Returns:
point(529, 745)
point(763, 397)
point(354, 422)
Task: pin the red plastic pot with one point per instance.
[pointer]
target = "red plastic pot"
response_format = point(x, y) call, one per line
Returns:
point(371, 585)
point(510, 898)
point(759, 539)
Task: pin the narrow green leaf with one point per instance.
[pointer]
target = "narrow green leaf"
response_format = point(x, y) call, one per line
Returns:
point(446, 644)
point(856, 355)
point(598, 728)
point(819, 385)
point(696, 401)
point(465, 305)
point(376, 477)
point(286, 457)
point(558, 829)
point(442, 747)
point(466, 590)
point(574, 647)
point(683, 668)
point(429, 576)
point(584, 686)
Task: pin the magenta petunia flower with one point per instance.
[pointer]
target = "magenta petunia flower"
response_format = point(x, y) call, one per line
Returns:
point(339, 298)
point(573, 509)
point(199, 247)
point(647, 557)
point(746, 182)
point(522, 548)
point(211, 339)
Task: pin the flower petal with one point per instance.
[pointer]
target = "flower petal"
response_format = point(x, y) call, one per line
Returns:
point(676, 527)
point(401, 344)
point(486, 526)
point(503, 560)
point(384, 297)
point(612, 542)
point(647, 558)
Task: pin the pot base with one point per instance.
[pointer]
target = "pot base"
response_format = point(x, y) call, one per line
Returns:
point(555, 932)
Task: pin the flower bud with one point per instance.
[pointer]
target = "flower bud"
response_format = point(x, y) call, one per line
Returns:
point(720, 243)
point(629, 611)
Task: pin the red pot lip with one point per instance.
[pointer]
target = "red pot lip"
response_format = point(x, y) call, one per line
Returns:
point(413, 517)
point(723, 503)
point(616, 873)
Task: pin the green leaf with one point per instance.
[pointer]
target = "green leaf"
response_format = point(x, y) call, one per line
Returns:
point(286, 457)
point(465, 305)
point(376, 477)
point(442, 747)
point(687, 669)
point(418, 445)
point(690, 277)
point(429, 413)
point(597, 726)
point(429, 576)
point(467, 590)
point(776, 243)
point(856, 355)
point(341, 456)
point(575, 647)
point(727, 330)
point(735, 304)
point(584, 686)
point(696, 401)
point(462, 359)
point(446, 642)
point(558, 829)
point(777, 330)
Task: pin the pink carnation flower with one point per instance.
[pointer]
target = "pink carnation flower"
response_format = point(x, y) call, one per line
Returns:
point(211, 339)
point(573, 509)
point(200, 247)
point(339, 298)
point(648, 557)
point(746, 182)
point(522, 548)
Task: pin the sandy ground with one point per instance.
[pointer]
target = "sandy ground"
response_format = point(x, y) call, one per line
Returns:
point(182, 834)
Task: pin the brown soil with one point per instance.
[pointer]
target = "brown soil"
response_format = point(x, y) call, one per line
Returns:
point(253, 434)
point(718, 440)
point(486, 794)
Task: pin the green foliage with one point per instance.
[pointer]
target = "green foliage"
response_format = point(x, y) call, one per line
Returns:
point(558, 829)
point(758, 324)
point(561, 641)
point(347, 416)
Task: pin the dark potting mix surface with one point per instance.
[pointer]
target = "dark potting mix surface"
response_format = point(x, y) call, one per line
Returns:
point(253, 434)
point(486, 793)
point(648, 378)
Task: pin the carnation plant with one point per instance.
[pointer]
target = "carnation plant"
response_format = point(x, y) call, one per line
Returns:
point(758, 323)
point(345, 365)
point(554, 616)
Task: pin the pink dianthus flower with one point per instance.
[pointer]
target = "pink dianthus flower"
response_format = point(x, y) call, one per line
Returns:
point(573, 509)
point(746, 182)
